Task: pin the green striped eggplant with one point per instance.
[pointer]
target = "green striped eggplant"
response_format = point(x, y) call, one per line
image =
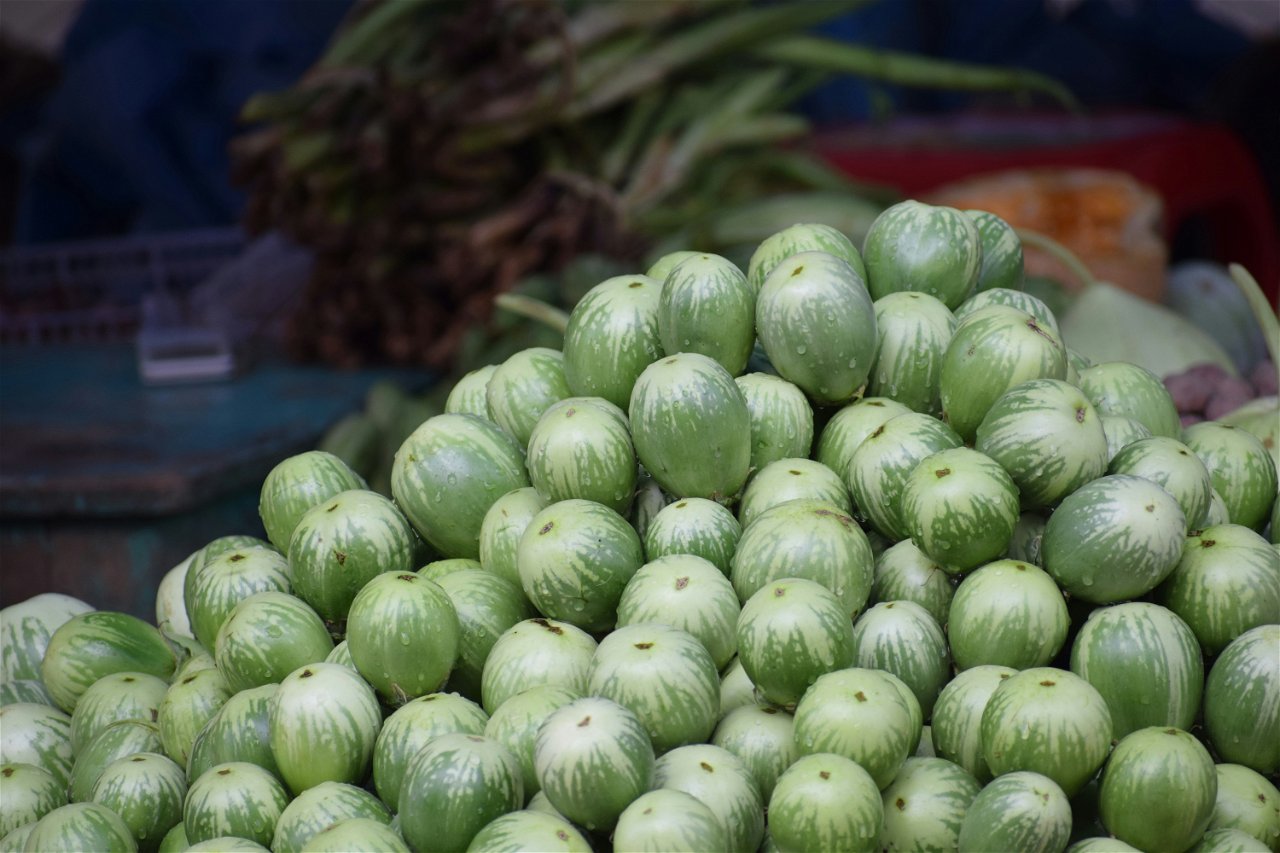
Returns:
point(1023, 811)
point(341, 654)
point(790, 633)
point(901, 638)
point(1145, 662)
point(691, 427)
point(1048, 436)
point(1007, 613)
point(318, 808)
point(1121, 388)
point(448, 473)
point(238, 731)
point(1242, 471)
point(211, 552)
point(1101, 845)
point(1247, 801)
point(1229, 841)
point(763, 739)
point(295, 485)
point(932, 249)
point(235, 799)
point(226, 844)
point(515, 723)
point(736, 688)
point(662, 267)
point(792, 479)
point(1242, 700)
point(267, 636)
point(220, 583)
point(16, 841)
point(1002, 263)
point(523, 387)
point(522, 830)
point(536, 652)
point(612, 337)
point(175, 840)
point(912, 333)
point(925, 805)
point(721, 781)
point(581, 448)
point(696, 526)
point(411, 727)
point(707, 306)
point(323, 722)
point(1113, 539)
point(503, 525)
point(356, 835)
point(801, 237)
point(664, 676)
point(687, 593)
point(902, 572)
point(825, 802)
point(817, 325)
point(115, 697)
point(486, 606)
point(27, 793)
point(781, 418)
point(956, 724)
point(593, 757)
point(24, 690)
point(147, 791)
point(25, 630)
point(1158, 789)
point(1171, 465)
point(864, 715)
point(649, 501)
point(36, 734)
point(1048, 721)
point(879, 467)
point(849, 427)
point(91, 645)
point(1121, 431)
point(437, 569)
point(1020, 299)
point(118, 740)
point(667, 820)
point(187, 707)
point(468, 396)
point(171, 607)
point(78, 827)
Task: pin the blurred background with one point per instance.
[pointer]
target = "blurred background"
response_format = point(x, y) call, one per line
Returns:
point(235, 230)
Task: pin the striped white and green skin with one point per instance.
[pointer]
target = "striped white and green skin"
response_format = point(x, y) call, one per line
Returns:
point(226, 844)
point(912, 333)
point(1101, 845)
point(922, 247)
point(523, 387)
point(1145, 662)
point(404, 634)
point(781, 418)
point(24, 690)
point(663, 266)
point(486, 606)
point(218, 585)
point(691, 427)
point(515, 723)
point(707, 306)
point(687, 593)
point(862, 714)
point(239, 731)
point(900, 637)
point(267, 636)
point(664, 676)
point(25, 630)
point(27, 793)
point(736, 688)
point(532, 653)
point(801, 237)
point(650, 500)
point(1019, 299)
point(234, 799)
point(956, 724)
point(1242, 471)
point(593, 757)
point(1172, 465)
point(437, 569)
point(411, 727)
point(879, 467)
point(295, 485)
point(1131, 391)
point(171, 607)
point(903, 572)
point(612, 337)
point(448, 473)
point(1007, 613)
point(540, 804)
point(1227, 581)
point(1048, 436)
point(695, 526)
point(323, 722)
point(1023, 811)
point(1049, 721)
point(1113, 539)
point(503, 525)
point(1242, 700)
point(342, 544)
point(925, 805)
point(175, 840)
point(147, 791)
point(805, 538)
point(1247, 801)
point(825, 802)
point(763, 739)
point(721, 781)
point(91, 645)
point(318, 808)
point(209, 554)
point(849, 427)
point(32, 733)
point(16, 841)
point(341, 654)
point(115, 697)
point(1229, 841)
point(1002, 262)
point(790, 633)
point(667, 821)
point(1158, 789)
point(523, 830)
point(960, 507)
point(1121, 431)
point(817, 324)
point(792, 479)
point(356, 835)
point(79, 827)
point(187, 707)
point(198, 658)
point(575, 558)
point(994, 350)
point(581, 448)
point(1218, 514)
point(468, 394)
point(119, 740)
